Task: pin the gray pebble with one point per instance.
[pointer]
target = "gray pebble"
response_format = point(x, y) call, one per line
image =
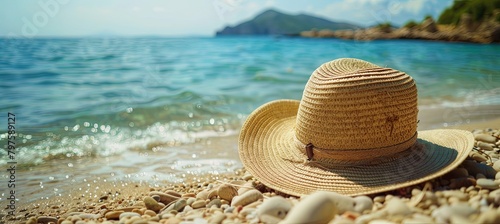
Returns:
point(485, 138)
point(179, 205)
point(474, 168)
point(457, 173)
point(229, 209)
point(217, 202)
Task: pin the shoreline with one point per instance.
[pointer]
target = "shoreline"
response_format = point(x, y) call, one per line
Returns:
point(485, 32)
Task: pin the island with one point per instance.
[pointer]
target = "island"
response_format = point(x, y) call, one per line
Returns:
point(273, 22)
point(476, 21)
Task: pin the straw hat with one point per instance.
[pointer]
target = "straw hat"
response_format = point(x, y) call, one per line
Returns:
point(354, 132)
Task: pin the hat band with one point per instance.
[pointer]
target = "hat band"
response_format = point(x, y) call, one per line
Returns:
point(313, 152)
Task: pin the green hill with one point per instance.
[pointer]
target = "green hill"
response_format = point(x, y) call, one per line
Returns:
point(478, 9)
point(272, 22)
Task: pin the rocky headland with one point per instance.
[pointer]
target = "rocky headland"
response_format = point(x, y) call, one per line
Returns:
point(466, 30)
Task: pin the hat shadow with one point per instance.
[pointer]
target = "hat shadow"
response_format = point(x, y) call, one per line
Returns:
point(417, 165)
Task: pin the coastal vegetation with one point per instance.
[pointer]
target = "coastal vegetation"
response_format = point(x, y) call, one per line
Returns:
point(479, 10)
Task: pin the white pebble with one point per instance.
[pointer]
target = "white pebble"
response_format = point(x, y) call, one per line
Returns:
point(444, 213)
point(397, 207)
point(247, 198)
point(274, 209)
point(315, 208)
point(487, 184)
point(362, 203)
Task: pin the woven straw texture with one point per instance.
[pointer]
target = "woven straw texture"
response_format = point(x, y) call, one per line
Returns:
point(361, 121)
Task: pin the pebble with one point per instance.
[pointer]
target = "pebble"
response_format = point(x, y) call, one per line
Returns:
point(217, 218)
point(496, 166)
point(342, 202)
point(150, 213)
point(485, 146)
point(202, 195)
point(190, 201)
point(113, 215)
point(199, 204)
point(46, 219)
point(273, 210)
point(229, 209)
point(227, 192)
point(489, 216)
point(315, 208)
point(247, 198)
point(88, 216)
point(474, 168)
point(461, 182)
point(379, 199)
point(129, 214)
point(362, 203)
point(164, 198)
point(247, 176)
point(457, 173)
point(487, 184)
point(152, 204)
point(245, 187)
point(480, 176)
point(217, 202)
point(179, 205)
point(485, 138)
point(397, 207)
point(478, 157)
point(494, 196)
point(187, 208)
point(417, 219)
point(444, 213)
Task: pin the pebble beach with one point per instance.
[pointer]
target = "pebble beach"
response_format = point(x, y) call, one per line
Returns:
point(468, 194)
point(132, 132)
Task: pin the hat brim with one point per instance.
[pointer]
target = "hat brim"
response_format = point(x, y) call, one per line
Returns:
point(267, 150)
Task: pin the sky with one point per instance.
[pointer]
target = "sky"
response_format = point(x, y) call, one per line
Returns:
point(32, 18)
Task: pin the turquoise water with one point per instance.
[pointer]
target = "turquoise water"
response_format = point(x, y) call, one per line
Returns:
point(87, 97)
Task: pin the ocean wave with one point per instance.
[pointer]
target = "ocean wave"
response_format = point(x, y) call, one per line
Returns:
point(87, 140)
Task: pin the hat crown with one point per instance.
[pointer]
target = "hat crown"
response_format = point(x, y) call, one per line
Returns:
point(351, 104)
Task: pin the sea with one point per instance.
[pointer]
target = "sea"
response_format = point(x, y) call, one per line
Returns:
point(160, 109)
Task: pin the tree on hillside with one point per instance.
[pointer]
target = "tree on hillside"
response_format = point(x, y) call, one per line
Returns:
point(478, 9)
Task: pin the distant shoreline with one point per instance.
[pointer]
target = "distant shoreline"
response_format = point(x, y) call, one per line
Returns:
point(466, 31)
